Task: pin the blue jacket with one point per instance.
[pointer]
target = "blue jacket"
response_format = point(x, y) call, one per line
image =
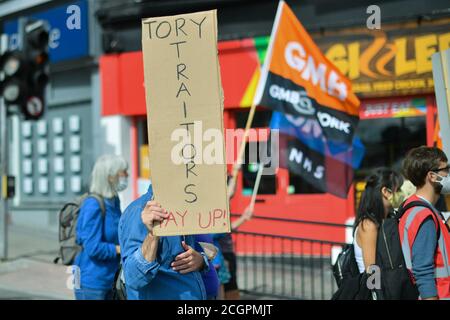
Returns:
point(154, 280)
point(98, 261)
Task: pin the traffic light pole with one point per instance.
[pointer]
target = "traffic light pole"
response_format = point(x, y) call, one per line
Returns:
point(4, 173)
point(37, 36)
point(4, 154)
point(3, 166)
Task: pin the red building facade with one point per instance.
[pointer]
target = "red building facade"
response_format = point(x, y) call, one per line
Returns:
point(397, 104)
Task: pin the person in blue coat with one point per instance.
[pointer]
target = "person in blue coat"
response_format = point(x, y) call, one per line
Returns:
point(158, 268)
point(97, 234)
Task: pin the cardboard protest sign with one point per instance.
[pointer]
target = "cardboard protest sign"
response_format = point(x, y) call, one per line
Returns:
point(185, 123)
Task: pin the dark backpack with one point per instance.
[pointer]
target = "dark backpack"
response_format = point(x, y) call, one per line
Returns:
point(396, 282)
point(67, 227)
point(345, 265)
point(351, 284)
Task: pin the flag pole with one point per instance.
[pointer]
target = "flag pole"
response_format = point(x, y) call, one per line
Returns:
point(256, 100)
point(237, 165)
point(256, 186)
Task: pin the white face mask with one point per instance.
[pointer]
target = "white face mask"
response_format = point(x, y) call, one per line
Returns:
point(445, 183)
point(122, 184)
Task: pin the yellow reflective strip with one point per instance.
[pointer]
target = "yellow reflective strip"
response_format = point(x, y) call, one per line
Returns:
point(4, 187)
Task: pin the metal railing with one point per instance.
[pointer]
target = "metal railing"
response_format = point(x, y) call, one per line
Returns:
point(286, 267)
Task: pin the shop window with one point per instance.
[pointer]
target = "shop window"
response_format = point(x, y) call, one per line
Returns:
point(267, 184)
point(388, 140)
point(298, 185)
point(261, 119)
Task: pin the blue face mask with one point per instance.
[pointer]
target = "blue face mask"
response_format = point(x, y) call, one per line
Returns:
point(122, 184)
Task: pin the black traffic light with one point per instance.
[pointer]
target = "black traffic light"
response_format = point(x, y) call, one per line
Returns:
point(36, 51)
point(15, 69)
point(26, 71)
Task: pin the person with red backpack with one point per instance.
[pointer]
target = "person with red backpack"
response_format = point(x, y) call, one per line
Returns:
point(424, 236)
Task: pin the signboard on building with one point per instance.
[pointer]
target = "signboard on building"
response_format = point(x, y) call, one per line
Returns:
point(184, 100)
point(395, 60)
point(69, 31)
point(393, 108)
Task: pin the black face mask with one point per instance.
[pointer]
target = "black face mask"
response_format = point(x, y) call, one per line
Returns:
point(437, 187)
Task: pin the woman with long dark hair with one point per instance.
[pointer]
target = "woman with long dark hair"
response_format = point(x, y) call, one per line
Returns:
point(381, 195)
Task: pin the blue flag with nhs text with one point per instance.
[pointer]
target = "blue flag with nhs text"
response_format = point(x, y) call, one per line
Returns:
point(309, 132)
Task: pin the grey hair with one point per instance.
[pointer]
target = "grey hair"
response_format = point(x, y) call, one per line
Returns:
point(106, 166)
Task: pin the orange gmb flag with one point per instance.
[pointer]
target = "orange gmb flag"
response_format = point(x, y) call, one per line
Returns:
point(298, 79)
point(437, 139)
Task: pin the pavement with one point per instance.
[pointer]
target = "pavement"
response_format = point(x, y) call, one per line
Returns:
point(29, 273)
point(27, 278)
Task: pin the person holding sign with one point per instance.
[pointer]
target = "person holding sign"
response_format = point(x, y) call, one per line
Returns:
point(158, 268)
point(183, 91)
